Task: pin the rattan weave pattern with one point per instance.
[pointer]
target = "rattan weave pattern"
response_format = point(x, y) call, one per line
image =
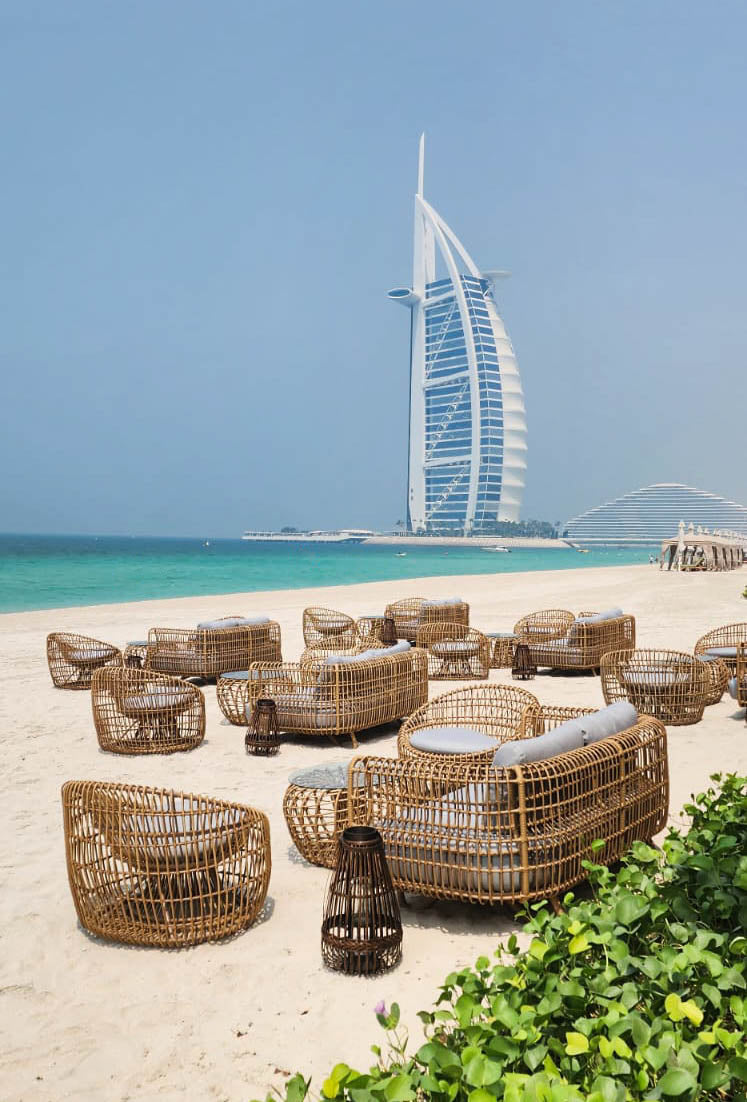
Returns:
point(495, 710)
point(468, 831)
point(584, 644)
point(667, 684)
point(207, 652)
point(342, 698)
point(406, 614)
point(150, 866)
point(137, 711)
point(729, 635)
point(329, 630)
point(455, 651)
point(549, 623)
point(718, 679)
point(741, 676)
point(315, 818)
point(73, 658)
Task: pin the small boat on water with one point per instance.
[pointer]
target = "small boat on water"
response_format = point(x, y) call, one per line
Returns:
point(400, 554)
point(503, 550)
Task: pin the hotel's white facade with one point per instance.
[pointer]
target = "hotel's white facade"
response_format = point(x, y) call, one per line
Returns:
point(653, 513)
point(467, 458)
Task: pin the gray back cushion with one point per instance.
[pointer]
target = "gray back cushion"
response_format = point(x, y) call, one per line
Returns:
point(608, 721)
point(567, 736)
point(600, 617)
point(444, 601)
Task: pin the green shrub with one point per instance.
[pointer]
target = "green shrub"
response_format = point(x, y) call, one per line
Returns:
point(635, 992)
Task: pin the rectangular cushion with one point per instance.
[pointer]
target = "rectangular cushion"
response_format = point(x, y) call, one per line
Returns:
point(608, 721)
point(567, 736)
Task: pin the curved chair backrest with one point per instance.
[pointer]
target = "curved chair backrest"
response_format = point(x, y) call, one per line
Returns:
point(326, 628)
point(73, 658)
point(495, 710)
point(137, 711)
point(150, 866)
point(549, 623)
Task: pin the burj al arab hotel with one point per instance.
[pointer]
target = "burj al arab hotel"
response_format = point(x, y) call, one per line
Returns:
point(467, 458)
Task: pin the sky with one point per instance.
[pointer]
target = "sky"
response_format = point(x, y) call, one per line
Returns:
point(202, 207)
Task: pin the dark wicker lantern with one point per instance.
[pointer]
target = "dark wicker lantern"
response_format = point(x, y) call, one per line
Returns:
point(523, 668)
point(263, 736)
point(388, 631)
point(361, 926)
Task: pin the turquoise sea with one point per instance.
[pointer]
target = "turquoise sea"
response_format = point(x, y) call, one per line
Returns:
point(58, 571)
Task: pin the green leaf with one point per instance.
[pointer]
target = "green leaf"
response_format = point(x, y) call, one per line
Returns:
point(713, 1076)
point(578, 944)
point(576, 1044)
point(676, 1081)
point(399, 1089)
point(537, 949)
point(738, 1066)
point(480, 1095)
point(296, 1089)
point(331, 1085)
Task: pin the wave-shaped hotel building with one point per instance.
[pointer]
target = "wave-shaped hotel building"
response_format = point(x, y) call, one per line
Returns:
point(467, 457)
point(653, 513)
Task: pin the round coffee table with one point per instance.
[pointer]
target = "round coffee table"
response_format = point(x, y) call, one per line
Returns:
point(231, 690)
point(454, 656)
point(315, 806)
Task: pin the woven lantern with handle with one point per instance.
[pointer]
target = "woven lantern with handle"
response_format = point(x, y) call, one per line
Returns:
point(263, 735)
point(361, 926)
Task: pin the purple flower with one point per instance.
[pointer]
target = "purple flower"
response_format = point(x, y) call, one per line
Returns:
point(380, 1008)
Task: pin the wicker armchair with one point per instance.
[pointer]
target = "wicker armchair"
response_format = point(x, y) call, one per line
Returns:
point(413, 612)
point(73, 658)
point(342, 697)
point(583, 642)
point(211, 649)
point(494, 710)
point(722, 643)
point(455, 652)
point(149, 866)
point(537, 627)
point(672, 686)
point(469, 831)
point(328, 630)
point(137, 711)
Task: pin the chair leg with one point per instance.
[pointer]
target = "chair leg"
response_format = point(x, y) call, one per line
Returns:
point(354, 740)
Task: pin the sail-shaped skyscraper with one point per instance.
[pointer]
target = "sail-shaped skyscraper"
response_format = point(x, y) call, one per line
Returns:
point(467, 457)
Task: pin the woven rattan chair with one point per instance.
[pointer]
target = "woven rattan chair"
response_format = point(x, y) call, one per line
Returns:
point(537, 627)
point(206, 652)
point(344, 697)
point(672, 686)
point(148, 866)
point(494, 710)
point(328, 630)
point(468, 831)
point(718, 677)
point(137, 711)
point(741, 677)
point(455, 652)
point(412, 613)
point(73, 658)
point(583, 642)
point(722, 643)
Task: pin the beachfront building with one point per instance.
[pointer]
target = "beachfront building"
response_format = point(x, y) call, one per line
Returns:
point(467, 456)
point(653, 513)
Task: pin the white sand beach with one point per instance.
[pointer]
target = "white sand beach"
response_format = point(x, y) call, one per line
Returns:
point(88, 1020)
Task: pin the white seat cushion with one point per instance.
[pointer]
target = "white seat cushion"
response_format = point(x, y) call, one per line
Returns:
point(451, 740)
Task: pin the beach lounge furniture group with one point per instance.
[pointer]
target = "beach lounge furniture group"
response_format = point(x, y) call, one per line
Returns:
point(520, 827)
point(343, 694)
point(137, 711)
point(559, 640)
point(149, 866)
point(667, 684)
point(214, 646)
point(72, 659)
point(413, 613)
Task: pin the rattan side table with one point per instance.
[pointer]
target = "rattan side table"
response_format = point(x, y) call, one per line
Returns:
point(522, 669)
point(502, 649)
point(718, 673)
point(135, 654)
point(231, 691)
point(315, 806)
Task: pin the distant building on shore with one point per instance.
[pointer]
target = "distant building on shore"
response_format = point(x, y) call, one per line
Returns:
point(653, 513)
point(467, 456)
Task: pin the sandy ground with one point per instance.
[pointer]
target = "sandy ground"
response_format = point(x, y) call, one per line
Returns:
point(87, 1020)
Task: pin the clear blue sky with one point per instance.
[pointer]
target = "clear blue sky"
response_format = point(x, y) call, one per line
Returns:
point(203, 206)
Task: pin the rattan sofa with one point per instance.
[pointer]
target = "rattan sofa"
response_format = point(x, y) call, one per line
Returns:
point(722, 643)
point(344, 695)
point(412, 613)
point(455, 652)
point(485, 834)
point(73, 658)
point(577, 644)
point(138, 711)
point(149, 866)
point(213, 647)
point(493, 710)
point(668, 684)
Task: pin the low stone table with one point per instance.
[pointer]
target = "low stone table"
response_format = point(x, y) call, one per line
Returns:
point(315, 806)
point(502, 649)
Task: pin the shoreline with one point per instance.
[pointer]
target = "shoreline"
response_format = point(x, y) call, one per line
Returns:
point(421, 581)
